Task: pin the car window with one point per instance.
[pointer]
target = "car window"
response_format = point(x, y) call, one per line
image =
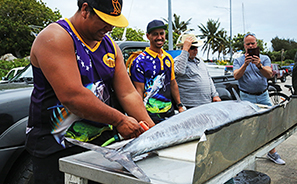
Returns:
point(229, 68)
point(128, 52)
point(18, 71)
point(25, 74)
point(10, 74)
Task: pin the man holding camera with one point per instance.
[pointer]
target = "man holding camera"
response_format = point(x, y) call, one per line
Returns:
point(252, 71)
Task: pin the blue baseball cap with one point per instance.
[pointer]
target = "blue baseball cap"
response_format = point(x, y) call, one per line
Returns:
point(155, 24)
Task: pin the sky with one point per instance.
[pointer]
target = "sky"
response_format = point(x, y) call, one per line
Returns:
point(266, 18)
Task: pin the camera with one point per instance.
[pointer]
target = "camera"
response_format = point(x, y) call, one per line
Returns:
point(255, 51)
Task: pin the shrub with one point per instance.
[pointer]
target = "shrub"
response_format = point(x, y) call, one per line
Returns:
point(5, 66)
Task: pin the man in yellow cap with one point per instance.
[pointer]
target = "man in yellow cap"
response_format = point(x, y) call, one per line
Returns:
point(77, 67)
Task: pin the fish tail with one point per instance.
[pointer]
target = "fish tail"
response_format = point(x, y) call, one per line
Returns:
point(125, 159)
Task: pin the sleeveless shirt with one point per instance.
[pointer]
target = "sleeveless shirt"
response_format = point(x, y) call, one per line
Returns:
point(49, 121)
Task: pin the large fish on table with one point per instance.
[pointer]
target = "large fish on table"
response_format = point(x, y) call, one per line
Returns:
point(183, 127)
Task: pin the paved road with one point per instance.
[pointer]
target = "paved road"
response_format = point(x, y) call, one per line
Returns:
point(282, 174)
point(285, 90)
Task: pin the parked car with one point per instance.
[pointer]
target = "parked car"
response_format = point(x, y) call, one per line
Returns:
point(288, 69)
point(278, 73)
point(13, 72)
point(228, 70)
point(15, 94)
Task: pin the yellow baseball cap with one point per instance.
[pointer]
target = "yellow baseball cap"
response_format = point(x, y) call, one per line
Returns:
point(109, 11)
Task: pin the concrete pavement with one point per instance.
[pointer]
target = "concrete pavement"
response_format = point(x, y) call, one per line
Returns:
point(282, 174)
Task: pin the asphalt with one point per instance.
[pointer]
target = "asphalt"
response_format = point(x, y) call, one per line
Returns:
point(282, 174)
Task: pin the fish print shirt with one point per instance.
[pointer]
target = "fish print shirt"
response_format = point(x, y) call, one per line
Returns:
point(156, 72)
point(49, 121)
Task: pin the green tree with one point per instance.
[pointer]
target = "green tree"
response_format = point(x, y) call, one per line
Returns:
point(174, 39)
point(286, 44)
point(177, 25)
point(16, 16)
point(222, 44)
point(131, 34)
point(213, 36)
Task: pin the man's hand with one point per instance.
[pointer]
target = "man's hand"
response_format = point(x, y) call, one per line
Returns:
point(188, 43)
point(256, 60)
point(181, 109)
point(129, 128)
point(248, 59)
point(216, 99)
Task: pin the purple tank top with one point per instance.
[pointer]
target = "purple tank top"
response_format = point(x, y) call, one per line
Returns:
point(49, 120)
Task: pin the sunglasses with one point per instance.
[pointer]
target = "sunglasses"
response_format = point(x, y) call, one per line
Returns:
point(249, 34)
point(193, 47)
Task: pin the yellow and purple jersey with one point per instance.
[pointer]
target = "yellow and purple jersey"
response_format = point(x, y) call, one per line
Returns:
point(156, 72)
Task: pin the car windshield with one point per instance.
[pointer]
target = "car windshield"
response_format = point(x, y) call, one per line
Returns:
point(25, 75)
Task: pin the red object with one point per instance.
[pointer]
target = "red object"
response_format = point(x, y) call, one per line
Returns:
point(144, 125)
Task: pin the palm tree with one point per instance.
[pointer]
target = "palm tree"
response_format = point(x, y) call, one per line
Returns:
point(222, 44)
point(177, 26)
point(214, 37)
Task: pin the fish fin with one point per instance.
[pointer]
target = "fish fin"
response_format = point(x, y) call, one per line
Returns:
point(236, 95)
point(124, 159)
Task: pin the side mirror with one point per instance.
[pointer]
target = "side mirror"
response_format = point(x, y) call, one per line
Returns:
point(4, 78)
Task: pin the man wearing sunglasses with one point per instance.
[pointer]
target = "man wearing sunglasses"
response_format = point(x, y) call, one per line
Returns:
point(252, 72)
point(194, 82)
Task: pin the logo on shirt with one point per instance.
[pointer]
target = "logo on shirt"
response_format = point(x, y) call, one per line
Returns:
point(168, 63)
point(109, 60)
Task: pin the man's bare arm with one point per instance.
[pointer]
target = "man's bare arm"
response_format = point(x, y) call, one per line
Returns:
point(129, 98)
point(175, 93)
point(238, 73)
point(59, 65)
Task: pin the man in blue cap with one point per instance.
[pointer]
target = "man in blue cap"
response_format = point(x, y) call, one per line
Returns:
point(152, 73)
point(77, 67)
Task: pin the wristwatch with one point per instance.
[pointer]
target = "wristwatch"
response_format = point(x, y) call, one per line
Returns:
point(179, 105)
point(261, 66)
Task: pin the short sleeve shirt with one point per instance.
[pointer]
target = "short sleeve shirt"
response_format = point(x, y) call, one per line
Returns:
point(156, 72)
point(252, 80)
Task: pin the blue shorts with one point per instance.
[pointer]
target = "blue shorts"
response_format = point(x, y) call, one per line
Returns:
point(257, 99)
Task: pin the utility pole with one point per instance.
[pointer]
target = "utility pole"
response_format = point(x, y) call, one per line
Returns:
point(231, 51)
point(170, 36)
point(243, 18)
point(230, 9)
